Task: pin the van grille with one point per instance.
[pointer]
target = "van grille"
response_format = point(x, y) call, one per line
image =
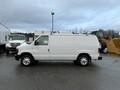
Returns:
point(15, 44)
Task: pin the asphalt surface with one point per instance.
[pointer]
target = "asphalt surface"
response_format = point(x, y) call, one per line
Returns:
point(100, 75)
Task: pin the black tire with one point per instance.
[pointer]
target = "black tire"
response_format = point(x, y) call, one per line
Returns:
point(27, 60)
point(83, 60)
point(7, 52)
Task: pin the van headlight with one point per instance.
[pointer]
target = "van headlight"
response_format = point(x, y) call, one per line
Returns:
point(8, 45)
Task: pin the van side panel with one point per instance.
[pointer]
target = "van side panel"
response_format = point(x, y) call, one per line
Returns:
point(69, 47)
point(62, 48)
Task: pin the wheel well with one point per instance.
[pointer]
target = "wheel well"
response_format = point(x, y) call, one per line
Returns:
point(27, 53)
point(84, 54)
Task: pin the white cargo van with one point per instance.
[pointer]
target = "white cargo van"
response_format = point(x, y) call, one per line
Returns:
point(80, 48)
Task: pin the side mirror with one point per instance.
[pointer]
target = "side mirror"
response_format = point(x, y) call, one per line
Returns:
point(36, 43)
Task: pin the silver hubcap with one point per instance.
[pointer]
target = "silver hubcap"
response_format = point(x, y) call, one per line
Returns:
point(84, 61)
point(26, 61)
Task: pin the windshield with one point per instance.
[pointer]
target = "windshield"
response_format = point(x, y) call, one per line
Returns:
point(16, 37)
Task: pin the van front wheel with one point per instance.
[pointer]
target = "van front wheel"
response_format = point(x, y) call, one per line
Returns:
point(83, 60)
point(26, 60)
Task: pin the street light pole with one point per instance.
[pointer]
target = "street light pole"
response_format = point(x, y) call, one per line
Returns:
point(52, 13)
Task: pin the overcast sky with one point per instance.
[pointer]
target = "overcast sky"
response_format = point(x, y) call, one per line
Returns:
point(69, 14)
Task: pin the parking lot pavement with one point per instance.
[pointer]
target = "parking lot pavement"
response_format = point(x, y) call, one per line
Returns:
point(100, 75)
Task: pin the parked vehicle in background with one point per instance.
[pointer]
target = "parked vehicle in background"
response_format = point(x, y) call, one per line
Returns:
point(14, 41)
point(112, 45)
point(80, 48)
point(103, 48)
point(4, 37)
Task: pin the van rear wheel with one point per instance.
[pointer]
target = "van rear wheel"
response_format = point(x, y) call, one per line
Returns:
point(83, 60)
point(26, 60)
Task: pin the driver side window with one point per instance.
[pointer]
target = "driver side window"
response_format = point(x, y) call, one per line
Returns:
point(43, 40)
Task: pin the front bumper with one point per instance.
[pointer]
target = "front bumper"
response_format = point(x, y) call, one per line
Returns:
point(13, 49)
point(17, 57)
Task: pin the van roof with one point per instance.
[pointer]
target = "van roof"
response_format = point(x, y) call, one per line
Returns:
point(61, 34)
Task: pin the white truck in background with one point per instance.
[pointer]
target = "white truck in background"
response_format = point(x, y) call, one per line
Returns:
point(4, 37)
point(80, 48)
point(14, 41)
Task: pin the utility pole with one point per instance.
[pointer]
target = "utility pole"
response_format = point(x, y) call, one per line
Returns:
point(52, 13)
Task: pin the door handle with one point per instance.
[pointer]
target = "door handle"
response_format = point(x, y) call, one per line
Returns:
point(48, 50)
